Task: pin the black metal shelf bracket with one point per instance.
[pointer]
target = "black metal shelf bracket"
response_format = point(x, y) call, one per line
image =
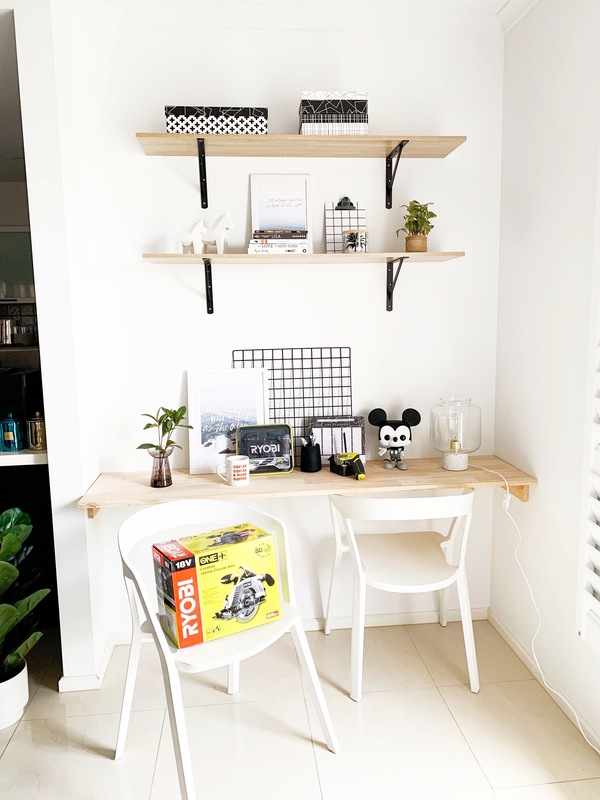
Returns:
point(209, 287)
point(202, 167)
point(391, 281)
point(390, 173)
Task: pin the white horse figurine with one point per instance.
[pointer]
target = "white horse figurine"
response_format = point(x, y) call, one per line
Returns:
point(200, 236)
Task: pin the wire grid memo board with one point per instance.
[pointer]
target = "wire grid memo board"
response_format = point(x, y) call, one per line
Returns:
point(303, 382)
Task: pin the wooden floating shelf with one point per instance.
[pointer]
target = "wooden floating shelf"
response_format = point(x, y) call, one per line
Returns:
point(390, 260)
point(297, 258)
point(121, 489)
point(296, 146)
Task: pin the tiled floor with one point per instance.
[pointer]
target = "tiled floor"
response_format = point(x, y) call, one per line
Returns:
point(418, 732)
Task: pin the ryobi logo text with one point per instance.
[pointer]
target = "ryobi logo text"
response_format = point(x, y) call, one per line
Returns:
point(188, 607)
point(262, 449)
point(175, 550)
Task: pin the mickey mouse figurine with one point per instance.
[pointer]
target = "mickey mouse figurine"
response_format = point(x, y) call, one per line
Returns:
point(394, 434)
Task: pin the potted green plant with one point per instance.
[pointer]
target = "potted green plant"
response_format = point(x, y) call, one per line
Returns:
point(17, 626)
point(166, 421)
point(417, 226)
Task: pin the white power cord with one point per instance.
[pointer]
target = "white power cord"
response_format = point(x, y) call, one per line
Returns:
point(505, 506)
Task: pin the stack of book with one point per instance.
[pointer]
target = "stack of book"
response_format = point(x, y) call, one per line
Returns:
point(333, 113)
point(280, 241)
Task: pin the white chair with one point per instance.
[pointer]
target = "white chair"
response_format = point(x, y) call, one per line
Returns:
point(182, 517)
point(405, 562)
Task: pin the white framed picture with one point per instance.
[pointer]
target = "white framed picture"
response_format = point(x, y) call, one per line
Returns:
point(219, 401)
point(281, 203)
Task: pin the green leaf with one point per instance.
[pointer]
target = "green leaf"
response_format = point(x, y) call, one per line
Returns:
point(13, 659)
point(8, 575)
point(167, 420)
point(147, 446)
point(12, 517)
point(9, 616)
point(9, 547)
point(27, 605)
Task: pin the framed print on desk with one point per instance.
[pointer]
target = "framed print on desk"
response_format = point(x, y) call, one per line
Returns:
point(219, 401)
point(281, 203)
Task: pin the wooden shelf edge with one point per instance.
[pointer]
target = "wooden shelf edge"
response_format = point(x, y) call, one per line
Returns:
point(132, 489)
point(299, 258)
point(297, 145)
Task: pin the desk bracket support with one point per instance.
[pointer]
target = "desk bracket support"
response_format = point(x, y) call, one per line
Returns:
point(209, 287)
point(202, 168)
point(390, 173)
point(391, 282)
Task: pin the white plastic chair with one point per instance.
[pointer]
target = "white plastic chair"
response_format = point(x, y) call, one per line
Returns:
point(183, 517)
point(405, 562)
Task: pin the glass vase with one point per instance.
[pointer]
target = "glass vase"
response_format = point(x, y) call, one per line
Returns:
point(161, 469)
point(455, 431)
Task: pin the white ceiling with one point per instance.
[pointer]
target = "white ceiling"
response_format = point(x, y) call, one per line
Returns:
point(11, 142)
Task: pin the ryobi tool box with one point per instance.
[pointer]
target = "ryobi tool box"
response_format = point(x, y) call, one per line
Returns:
point(216, 583)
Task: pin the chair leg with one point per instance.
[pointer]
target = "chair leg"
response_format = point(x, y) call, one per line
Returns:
point(178, 730)
point(358, 637)
point(337, 561)
point(467, 626)
point(316, 691)
point(233, 677)
point(132, 668)
point(443, 607)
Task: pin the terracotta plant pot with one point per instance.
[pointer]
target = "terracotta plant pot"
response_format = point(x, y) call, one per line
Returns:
point(416, 244)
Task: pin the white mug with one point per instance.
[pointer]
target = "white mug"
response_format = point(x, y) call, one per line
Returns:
point(235, 471)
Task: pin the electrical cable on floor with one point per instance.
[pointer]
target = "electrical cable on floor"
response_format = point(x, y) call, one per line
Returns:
point(505, 506)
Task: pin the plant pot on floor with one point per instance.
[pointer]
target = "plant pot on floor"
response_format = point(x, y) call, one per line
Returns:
point(14, 694)
point(415, 244)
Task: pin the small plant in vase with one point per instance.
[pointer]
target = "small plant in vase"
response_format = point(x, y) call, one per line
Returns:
point(417, 226)
point(166, 421)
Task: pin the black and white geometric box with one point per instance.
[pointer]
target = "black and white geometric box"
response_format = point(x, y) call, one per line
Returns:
point(216, 119)
point(333, 113)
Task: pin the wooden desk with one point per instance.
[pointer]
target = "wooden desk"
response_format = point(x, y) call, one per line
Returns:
point(120, 489)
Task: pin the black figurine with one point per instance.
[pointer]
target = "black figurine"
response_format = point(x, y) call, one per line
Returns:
point(394, 434)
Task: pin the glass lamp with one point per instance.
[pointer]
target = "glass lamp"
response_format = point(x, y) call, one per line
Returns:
point(455, 430)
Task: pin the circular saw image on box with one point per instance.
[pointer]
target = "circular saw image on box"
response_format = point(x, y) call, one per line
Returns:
point(234, 536)
point(248, 593)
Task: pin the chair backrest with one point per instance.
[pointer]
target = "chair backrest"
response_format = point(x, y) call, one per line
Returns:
point(456, 509)
point(176, 518)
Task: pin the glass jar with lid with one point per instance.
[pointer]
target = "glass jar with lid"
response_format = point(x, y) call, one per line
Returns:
point(455, 430)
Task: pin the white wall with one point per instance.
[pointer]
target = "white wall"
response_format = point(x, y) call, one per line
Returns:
point(548, 290)
point(137, 328)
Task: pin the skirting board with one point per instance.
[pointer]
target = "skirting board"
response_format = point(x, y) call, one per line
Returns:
point(81, 683)
point(404, 618)
point(78, 683)
point(529, 662)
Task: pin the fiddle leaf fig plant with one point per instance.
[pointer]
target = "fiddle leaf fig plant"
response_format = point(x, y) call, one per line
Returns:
point(166, 421)
point(417, 220)
point(17, 634)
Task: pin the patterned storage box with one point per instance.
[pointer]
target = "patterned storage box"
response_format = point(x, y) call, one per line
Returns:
point(215, 119)
point(314, 109)
point(333, 113)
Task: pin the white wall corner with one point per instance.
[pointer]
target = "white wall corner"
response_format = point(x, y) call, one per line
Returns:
point(512, 11)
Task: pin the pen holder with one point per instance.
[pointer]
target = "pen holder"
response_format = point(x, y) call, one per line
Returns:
point(310, 458)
